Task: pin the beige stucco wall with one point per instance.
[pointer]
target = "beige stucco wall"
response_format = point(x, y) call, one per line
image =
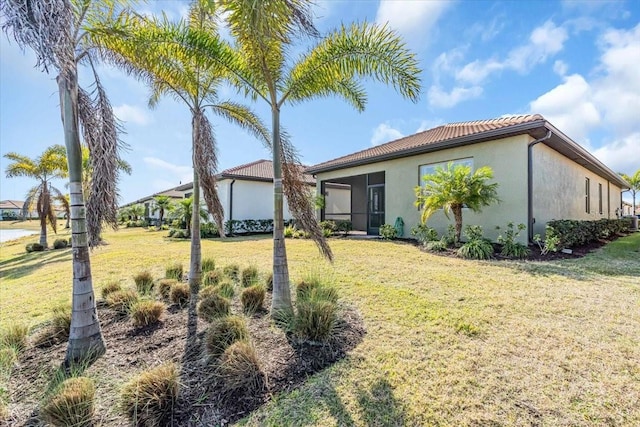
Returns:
point(507, 157)
point(559, 190)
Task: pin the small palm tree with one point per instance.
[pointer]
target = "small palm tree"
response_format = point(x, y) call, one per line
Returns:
point(183, 211)
point(136, 211)
point(51, 164)
point(634, 182)
point(453, 188)
point(162, 204)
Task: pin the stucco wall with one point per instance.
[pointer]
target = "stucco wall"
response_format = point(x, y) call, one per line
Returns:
point(559, 190)
point(251, 199)
point(507, 157)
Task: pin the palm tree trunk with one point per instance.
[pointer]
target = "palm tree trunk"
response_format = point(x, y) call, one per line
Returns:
point(195, 267)
point(85, 337)
point(43, 216)
point(457, 215)
point(281, 302)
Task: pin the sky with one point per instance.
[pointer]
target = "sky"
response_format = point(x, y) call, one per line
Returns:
point(574, 62)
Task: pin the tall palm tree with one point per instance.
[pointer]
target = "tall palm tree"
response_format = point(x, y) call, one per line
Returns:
point(56, 30)
point(162, 204)
point(634, 182)
point(453, 188)
point(264, 33)
point(51, 164)
point(184, 75)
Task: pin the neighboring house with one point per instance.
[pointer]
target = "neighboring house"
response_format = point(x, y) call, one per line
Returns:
point(627, 208)
point(180, 192)
point(542, 175)
point(246, 192)
point(11, 209)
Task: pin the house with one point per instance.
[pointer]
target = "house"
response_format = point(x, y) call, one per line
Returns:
point(11, 209)
point(627, 208)
point(246, 193)
point(542, 175)
point(176, 193)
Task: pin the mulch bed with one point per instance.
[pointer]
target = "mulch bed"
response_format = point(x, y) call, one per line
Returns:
point(286, 363)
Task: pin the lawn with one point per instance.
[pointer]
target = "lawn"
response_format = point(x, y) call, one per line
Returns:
point(449, 341)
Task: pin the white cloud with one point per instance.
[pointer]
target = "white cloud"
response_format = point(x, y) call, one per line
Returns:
point(560, 68)
point(428, 124)
point(181, 173)
point(443, 99)
point(385, 133)
point(620, 154)
point(132, 114)
point(477, 71)
point(411, 17)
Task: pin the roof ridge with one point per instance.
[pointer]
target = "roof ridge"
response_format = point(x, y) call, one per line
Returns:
point(255, 162)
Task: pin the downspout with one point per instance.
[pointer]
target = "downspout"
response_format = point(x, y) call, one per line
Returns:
point(530, 218)
point(233, 181)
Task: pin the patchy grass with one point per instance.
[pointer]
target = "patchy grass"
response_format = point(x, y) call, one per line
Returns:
point(449, 341)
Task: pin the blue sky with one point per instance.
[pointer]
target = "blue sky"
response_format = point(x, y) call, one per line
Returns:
point(575, 62)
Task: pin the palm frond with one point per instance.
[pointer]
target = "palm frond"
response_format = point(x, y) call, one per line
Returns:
point(21, 166)
point(30, 199)
point(245, 118)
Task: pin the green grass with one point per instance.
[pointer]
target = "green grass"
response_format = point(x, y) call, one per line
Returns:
point(449, 341)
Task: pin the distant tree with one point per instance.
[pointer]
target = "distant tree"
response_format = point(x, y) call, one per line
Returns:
point(634, 182)
point(162, 204)
point(51, 164)
point(453, 188)
point(183, 212)
point(136, 211)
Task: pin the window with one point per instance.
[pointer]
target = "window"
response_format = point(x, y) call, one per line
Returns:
point(587, 195)
point(600, 198)
point(431, 167)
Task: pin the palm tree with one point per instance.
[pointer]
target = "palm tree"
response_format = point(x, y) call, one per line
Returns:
point(88, 170)
point(162, 204)
point(184, 212)
point(452, 189)
point(169, 70)
point(634, 182)
point(56, 30)
point(264, 32)
point(51, 164)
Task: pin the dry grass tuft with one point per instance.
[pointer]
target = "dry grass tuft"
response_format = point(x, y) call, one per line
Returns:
point(71, 403)
point(110, 287)
point(149, 399)
point(121, 301)
point(232, 271)
point(144, 282)
point(174, 271)
point(180, 294)
point(239, 372)
point(146, 312)
point(164, 287)
point(208, 264)
point(223, 332)
point(14, 335)
point(250, 276)
point(213, 306)
point(212, 278)
point(252, 298)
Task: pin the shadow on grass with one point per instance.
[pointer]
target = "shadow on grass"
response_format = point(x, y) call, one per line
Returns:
point(379, 405)
point(28, 263)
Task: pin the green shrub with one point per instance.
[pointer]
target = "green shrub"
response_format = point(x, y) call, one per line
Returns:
point(180, 294)
point(232, 271)
point(110, 287)
point(174, 271)
point(511, 247)
point(449, 238)
point(344, 227)
point(424, 234)
point(28, 247)
point(269, 282)
point(315, 319)
point(213, 307)
point(144, 282)
point(328, 227)
point(14, 335)
point(164, 287)
point(180, 234)
point(239, 371)
point(388, 232)
point(249, 276)
point(252, 298)
point(208, 264)
point(71, 403)
point(476, 249)
point(34, 247)
point(146, 312)
point(436, 246)
point(149, 398)
point(572, 233)
point(223, 332)
point(211, 278)
point(289, 231)
point(60, 243)
point(121, 301)
point(550, 243)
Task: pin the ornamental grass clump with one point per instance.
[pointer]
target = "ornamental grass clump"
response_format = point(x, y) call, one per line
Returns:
point(110, 287)
point(226, 289)
point(252, 298)
point(71, 403)
point(60, 243)
point(121, 301)
point(174, 271)
point(180, 294)
point(14, 335)
point(249, 276)
point(146, 312)
point(232, 271)
point(208, 264)
point(8, 357)
point(150, 398)
point(239, 372)
point(144, 282)
point(164, 287)
point(213, 307)
point(60, 322)
point(316, 311)
point(269, 282)
point(212, 278)
point(223, 332)
point(314, 288)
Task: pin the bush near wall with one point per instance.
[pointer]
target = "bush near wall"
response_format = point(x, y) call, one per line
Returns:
point(571, 233)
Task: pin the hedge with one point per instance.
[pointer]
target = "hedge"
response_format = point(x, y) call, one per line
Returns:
point(571, 233)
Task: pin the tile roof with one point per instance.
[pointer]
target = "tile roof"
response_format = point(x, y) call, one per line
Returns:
point(261, 170)
point(11, 204)
point(426, 140)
